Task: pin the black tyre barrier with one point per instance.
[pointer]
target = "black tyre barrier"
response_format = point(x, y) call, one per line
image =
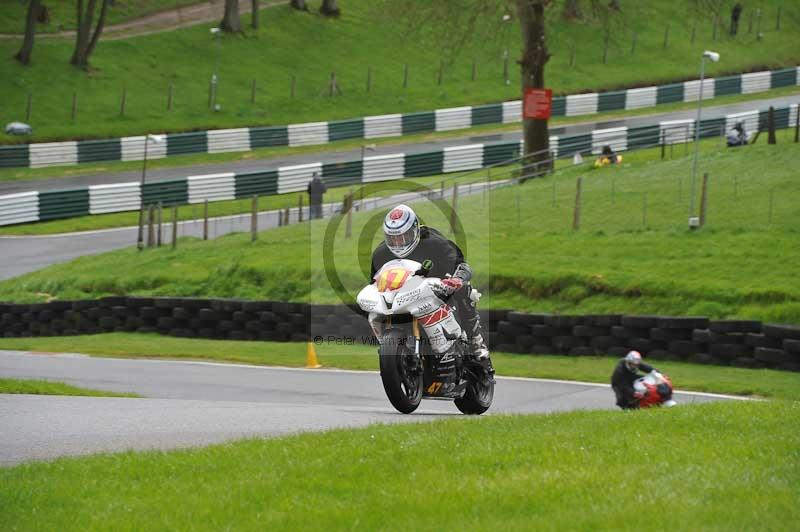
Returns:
point(740, 343)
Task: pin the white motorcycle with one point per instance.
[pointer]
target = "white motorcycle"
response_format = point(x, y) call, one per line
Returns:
point(423, 349)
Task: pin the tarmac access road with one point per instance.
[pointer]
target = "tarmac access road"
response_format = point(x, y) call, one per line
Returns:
point(189, 404)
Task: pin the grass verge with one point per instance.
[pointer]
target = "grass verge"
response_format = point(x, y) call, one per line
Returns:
point(632, 253)
point(298, 44)
point(713, 466)
point(42, 387)
point(718, 379)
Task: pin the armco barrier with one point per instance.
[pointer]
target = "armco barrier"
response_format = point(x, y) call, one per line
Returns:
point(98, 199)
point(743, 343)
point(393, 125)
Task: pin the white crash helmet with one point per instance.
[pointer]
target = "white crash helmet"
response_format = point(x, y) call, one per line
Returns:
point(401, 230)
point(633, 359)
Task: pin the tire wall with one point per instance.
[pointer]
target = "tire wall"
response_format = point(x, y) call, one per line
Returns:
point(742, 343)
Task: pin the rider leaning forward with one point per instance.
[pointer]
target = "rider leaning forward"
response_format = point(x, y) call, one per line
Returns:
point(405, 238)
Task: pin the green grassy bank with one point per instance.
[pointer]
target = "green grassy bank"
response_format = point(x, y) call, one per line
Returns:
point(631, 254)
point(714, 466)
point(310, 47)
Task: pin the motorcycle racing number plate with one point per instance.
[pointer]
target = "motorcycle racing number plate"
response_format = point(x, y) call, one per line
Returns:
point(392, 279)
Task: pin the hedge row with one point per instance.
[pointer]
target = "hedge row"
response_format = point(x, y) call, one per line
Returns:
point(742, 343)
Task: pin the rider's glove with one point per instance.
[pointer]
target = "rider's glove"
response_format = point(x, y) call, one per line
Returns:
point(452, 284)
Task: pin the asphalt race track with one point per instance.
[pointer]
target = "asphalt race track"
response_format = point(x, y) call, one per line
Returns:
point(198, 403)
point(30, 253)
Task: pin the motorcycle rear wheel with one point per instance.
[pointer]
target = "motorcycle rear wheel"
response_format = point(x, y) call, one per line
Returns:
point(479, 394)
point(402, 387)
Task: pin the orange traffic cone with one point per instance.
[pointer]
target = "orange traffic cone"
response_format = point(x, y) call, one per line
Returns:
point(311, 357)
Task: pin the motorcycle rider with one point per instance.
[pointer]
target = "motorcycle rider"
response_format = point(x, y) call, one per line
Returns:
point(625, 374)
point(405, 238)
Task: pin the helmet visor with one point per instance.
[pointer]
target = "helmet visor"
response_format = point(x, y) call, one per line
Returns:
point(401, 241)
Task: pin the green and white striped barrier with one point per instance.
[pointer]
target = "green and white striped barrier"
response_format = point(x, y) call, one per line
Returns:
point(371, 127)
point(98, 199)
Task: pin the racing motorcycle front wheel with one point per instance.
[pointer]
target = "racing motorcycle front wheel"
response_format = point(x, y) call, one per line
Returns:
point(479, 393)
point(401, 372)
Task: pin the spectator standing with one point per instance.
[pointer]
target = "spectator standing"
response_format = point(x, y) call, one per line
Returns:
point(316, 188)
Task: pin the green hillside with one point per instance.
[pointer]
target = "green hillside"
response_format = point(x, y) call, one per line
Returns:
point(631, 254)
point(310, 47)
point(62, 13)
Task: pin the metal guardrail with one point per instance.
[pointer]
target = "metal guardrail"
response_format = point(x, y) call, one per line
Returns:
point(244, 139)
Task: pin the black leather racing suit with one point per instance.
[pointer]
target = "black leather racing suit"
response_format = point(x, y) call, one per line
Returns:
point(622, 382)
point(445, 259)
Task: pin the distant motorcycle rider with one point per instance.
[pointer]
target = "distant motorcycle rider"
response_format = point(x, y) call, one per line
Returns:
point(405, 238)
point(625, 374)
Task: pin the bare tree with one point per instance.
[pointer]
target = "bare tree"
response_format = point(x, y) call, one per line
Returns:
point(572, 10)
point(254, 17)
point(299, 4)
point(329, 8)
point(85, 38)
point(230, 20)
point(24, 54)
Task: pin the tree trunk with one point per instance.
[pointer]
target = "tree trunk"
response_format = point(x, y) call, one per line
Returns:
point(299, 4)
point(80, 57)
point(330, 9)
point(24, 54)
point(98, 30)
point(534, 58)
point(230, 21)
point(254, 19)
point(614, 4)
point(572, 10)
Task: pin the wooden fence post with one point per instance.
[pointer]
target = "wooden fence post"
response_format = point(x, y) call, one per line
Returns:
point(300, 208)
point(253, 92)
point(28, 108)
point(205, 220)
point(74, 105)
point(441, 68)
point(576, 215)
point(150, 228)
point(123, 100)
point(174, 226)
point(454, 209)
point(405, 76)
point(474, 68)
point(169, 97)
point(666, 36)
point(369, 78)
point(254, 219)
point(159, 214)
point(704, 200)
point(348, 205)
